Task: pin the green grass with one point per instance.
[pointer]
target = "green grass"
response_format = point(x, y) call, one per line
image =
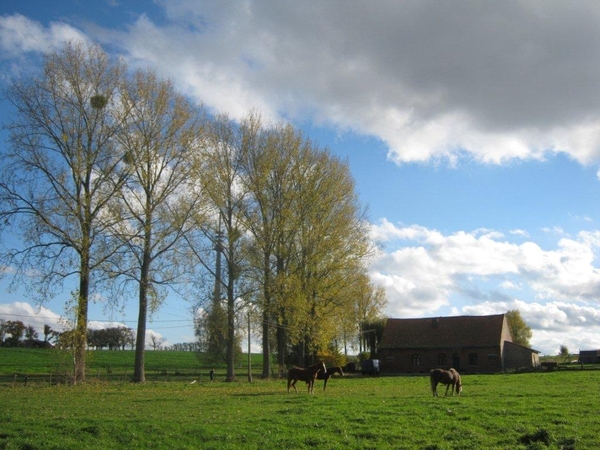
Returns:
point(557, 410)
point(41, 364)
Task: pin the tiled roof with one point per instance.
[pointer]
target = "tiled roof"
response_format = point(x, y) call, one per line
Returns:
point(439, 332)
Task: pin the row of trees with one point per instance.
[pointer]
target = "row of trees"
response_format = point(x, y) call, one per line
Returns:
point(116, 179)
point(14, 333)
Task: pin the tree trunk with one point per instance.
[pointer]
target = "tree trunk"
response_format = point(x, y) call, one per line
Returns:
point(231, 343)
point(139, 375)
point(230, 331)
point(266, 371)
point(80, 341)
point(281, 348)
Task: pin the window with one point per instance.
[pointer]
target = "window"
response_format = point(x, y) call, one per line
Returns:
point(473, 359)
point(416, 360)
point(442, 359)
point(389, 359)
point(492, 356)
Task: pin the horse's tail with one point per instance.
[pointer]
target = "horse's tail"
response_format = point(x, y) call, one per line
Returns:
point(432, 380)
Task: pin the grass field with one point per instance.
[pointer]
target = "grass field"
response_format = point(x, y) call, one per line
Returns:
point(556, 410)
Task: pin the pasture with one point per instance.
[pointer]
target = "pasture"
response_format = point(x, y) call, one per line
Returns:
point(556, 410)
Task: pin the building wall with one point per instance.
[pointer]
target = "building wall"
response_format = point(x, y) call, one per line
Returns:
point(465, 360)
point(517, 357)
point(505, 337)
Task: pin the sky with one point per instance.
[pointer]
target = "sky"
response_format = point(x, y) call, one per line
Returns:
point(472, 130)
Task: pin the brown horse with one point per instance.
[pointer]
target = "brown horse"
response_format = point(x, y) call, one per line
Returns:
point(309, 375)
point(328, 373)
point(450, 378)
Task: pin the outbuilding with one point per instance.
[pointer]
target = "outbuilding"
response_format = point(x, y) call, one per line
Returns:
point(589, 356)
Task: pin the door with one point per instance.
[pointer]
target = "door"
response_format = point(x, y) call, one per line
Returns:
point(456, 361)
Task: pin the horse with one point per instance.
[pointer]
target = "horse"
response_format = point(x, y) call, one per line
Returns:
point(309, 375)
point(328, 373)
point(450, 378)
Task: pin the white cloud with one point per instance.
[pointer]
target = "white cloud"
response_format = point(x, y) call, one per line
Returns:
point(498, 82)
point(521, 233)
point(38, 317)
point(553, 324)
point(18, 35)
point(30, 316)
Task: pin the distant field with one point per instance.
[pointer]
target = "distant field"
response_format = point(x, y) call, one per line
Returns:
point(542, 410)
point(40, 364)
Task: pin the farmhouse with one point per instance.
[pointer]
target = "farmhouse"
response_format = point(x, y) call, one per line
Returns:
point(470, 344)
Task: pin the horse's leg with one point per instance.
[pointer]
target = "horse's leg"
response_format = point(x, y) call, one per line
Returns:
point(294, 385)
point(433, 385)
point(447, 387)
point(325, 382)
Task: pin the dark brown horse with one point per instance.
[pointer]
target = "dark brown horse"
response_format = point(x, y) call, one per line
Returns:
point(450, 378)
point(309, 375)
point(328, 373)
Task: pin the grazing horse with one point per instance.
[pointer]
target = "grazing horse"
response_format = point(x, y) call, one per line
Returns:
point(309, 375)
point(450, 378)
point(328, 373)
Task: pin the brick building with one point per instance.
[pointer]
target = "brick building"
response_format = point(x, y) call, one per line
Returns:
point(470, 344)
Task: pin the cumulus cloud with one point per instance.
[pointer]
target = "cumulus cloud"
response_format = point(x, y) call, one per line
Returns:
point(432, 80)
point(38, 317)
point(426, 273)
point(30, 316)
point(495, 82)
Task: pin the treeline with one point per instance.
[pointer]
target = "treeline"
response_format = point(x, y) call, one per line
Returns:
point(115, 178)
point(15, 333)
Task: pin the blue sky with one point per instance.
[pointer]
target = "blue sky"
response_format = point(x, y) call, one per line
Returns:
point(472, 131)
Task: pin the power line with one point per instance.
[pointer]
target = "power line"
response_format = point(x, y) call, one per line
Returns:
point(34, 316)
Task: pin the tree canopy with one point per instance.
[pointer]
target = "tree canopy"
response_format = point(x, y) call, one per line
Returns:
point(519, 330)
point(115, 179)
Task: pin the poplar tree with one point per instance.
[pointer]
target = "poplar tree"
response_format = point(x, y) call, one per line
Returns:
point(220, 176)
point(61, 169)
point(159, 202)
point(331, 247)
point(269, 169)
point(310, 241)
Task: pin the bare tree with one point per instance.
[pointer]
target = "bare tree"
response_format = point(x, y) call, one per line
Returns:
point(58, 174)
point(221, 177)
point(155, 341)
point(157, 204)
